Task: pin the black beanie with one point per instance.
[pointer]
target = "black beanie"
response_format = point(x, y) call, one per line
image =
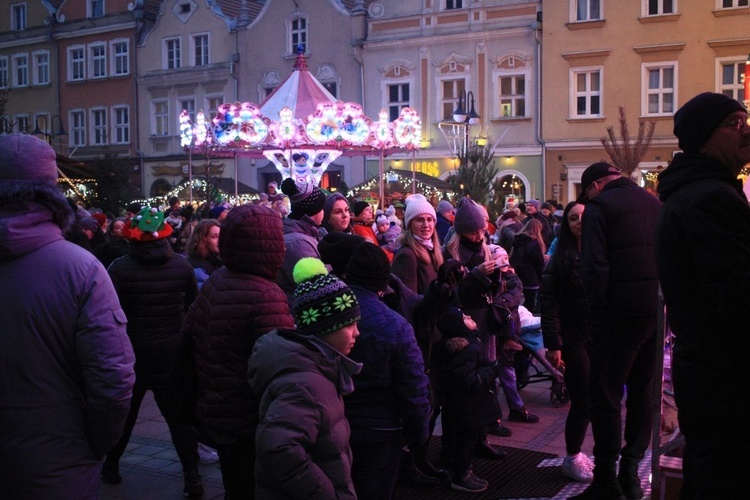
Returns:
point(358, 207)
point(336, 249)
point(700, 116)
point(368, 267)
point(305, 198)
point(451, 323)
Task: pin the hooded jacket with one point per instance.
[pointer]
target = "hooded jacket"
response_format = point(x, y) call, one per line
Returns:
point(66, 361)
point(302, 444)
point(301, 240)
point(527, 259)
point(703, 258)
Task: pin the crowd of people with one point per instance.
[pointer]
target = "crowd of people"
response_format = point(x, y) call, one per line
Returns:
point(310, 342)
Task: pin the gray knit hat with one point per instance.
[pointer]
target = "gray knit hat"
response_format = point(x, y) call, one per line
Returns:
point(470, 217)
point(444, 206)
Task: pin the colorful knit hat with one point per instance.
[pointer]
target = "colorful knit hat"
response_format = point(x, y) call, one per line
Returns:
point(306, 199)
point(148, 225)
point(322, 303)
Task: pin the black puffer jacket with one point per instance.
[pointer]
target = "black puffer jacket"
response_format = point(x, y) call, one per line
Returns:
point(703, 256)
point(236, 305)
point(618, 262)
point(527, 259)
point(155, 287)
point(565, 309)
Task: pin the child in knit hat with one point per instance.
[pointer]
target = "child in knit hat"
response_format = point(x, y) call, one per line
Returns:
point(302, 445)
point(470, 400)
point(387, 233)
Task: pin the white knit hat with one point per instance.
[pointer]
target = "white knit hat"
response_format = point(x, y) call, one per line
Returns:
point(417, 204)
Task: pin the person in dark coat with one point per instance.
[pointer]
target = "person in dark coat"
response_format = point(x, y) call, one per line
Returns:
point(238, 304)
point(203, 249)
point(470, 399)
point(66, 361)
point(567, 337)
point(444, 215)
point(527, 258)
point(389, 406)
point(117, 246)
point(155, 286)
point(300, 376)
point(534, 212)
point(618, 268)
point(703, 258)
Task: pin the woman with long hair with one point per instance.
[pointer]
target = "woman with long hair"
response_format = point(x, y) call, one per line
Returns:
point(527, 258)
point(336, 214)
point(203, 249)
point(567, 338)
point(118, 244)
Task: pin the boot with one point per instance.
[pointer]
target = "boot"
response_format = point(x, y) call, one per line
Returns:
point(426, 467)
point(111, 472)
point(486, 450)
point(603, 487)
point(628, 478)
point(410, 475)
point(193, 484)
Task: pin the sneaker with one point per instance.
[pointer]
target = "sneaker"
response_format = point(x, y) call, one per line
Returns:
point(111, 472)
point(207, 454)
point(498, 429)
point(522, 415)
point(578, 468)
point(470, 483)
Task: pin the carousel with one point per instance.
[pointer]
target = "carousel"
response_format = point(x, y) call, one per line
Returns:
point(300, 128)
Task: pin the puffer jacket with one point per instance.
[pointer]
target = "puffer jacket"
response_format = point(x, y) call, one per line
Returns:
point(469, 383)
point(565, 309)
point(302, 442)
point(527, 259)
point(237, 304)
point(703, 258)
point(391, 390)
point(155, 286)
point(66, 361)
point(301, 240)
point(618, 262)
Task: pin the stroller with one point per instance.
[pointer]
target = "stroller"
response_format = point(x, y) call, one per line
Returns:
point(531, 365)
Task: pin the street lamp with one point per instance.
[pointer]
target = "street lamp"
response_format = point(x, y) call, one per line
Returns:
point(50, 135)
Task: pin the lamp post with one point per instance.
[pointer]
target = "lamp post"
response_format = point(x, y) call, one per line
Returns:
point(462, 117)
point(48, 131)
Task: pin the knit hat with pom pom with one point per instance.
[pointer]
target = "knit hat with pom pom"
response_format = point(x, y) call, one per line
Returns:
point(148, 225)
point(322, 303)
point(306, 199)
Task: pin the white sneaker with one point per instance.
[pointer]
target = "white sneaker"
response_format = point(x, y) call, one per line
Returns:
point(207, 454)
point(578, 468)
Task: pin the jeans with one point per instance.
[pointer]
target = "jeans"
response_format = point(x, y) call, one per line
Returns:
point(377, 455)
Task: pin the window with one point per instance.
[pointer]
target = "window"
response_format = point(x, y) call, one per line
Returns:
point(660, 7)
point(161, 117)
point(172, 53)
point(120, 52)
point(453, 4)
point(22, 124)
point(398, 99)
point(189, 106)
point(18, 17)
point(586, 95)
point(41, 68)
point(449, 97)
point(588, 10)
point(99, 127)
point(212, 105)
point(78, 128)
point(122, 124)
point(96, 8)
point(731, 81)
point(76, 64)
point(20, 70)
point(3, 72)
point(200, 50)
point(298, 34)
point(98, 61)
point(729, 4)
point(331, 87)
point(660, 89)
point(512, 96)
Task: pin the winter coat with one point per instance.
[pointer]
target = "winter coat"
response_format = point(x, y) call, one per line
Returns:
point(527, 259)
point(301, 240)
point(66, 361)
point(235, 307)
point(547, 233)
point(442, 225)
point(414, 273)
point(618, 263)
point(155, 286)
point(469, 383)
point(565, 309)
point(391, 390)
point(203, 268)
point(508, 229)
point(114, 249)
point(302, 442)
point(703, 258)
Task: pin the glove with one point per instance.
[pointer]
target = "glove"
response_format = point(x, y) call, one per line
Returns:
point(451, 272)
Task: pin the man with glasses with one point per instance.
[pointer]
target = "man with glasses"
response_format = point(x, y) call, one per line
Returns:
point(703, 259)
point(618, 268)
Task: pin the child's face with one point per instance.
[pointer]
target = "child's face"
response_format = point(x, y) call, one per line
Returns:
point(470, 323)
point(383, 226)
point(502, 262)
